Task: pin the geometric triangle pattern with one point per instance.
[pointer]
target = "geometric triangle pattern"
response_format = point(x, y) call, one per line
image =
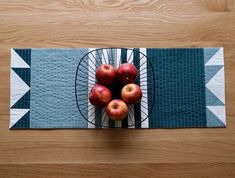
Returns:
point(212, 100)
point(25, 54)
point(20, 88)
point(23, 73)
point(209, 53)
point(212, 120)
point(217, 58)
point(219, 112)
point(215, 87)
point(17, 61)
point(23, 102)
point(16, 115)
point(23, 122)
point(211, 71)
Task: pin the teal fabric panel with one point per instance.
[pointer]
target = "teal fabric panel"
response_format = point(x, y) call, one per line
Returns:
point(180, 88)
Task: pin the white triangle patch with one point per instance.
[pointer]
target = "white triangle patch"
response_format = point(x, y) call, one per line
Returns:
point(17, 61)
point(218, 111)
point(18, 87)
point(216, 85)
point(217, 59)
point(16, 115)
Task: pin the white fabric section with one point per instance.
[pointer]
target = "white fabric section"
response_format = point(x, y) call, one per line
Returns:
point(105, 56)
point(16, 115)
point(118, 123)
point(17, 61)
point(118, 62)
point(216, 85)
point(104, 118)
point(143, 85)
point(217, 59)
point(91, 83)
point(219, 111)
point(18, 88)
point(131, 115)
point(118, 57)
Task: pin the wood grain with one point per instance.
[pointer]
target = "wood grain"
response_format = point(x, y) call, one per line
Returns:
point(151, 170)
point(120, 152)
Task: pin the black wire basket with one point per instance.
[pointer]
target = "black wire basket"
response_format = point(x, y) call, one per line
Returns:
point(85, 80)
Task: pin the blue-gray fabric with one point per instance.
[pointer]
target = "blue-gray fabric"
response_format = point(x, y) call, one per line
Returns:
point(52, 97)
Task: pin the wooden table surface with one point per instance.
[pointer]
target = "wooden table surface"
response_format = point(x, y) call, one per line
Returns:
point(117, 152)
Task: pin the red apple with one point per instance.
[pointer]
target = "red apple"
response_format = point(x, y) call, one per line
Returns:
point(117, 110)
point(126, 73)
point(100, 95)
point(131, 93)
point(105, 74)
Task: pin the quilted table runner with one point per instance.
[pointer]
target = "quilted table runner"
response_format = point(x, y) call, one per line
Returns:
point(182, 87)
